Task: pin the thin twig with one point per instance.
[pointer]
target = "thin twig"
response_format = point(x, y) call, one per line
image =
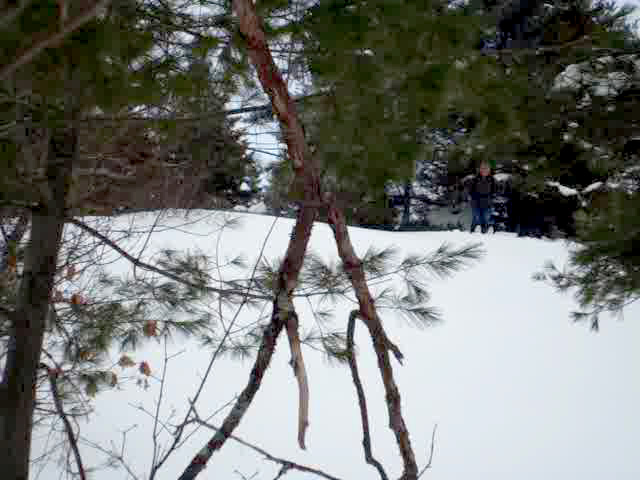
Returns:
point(433, 442)
point(159, 403)
point(112, 453)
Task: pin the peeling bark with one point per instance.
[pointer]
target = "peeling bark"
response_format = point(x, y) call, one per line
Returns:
point(300, 372)
point(381, 343)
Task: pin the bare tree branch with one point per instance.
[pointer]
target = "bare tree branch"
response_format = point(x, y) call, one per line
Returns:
point(52, 373)
point(381, 343)
point(285, 463)
point(362, 399)
point(50, 41)
point(113, 454)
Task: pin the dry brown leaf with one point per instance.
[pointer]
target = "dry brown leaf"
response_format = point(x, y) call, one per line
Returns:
point(126, 361)
point(149, 328)
point(145, 369)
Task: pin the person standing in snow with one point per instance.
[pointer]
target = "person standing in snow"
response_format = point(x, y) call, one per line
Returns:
point(481, 190)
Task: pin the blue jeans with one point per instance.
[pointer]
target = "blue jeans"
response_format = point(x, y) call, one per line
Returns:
point(481, 216)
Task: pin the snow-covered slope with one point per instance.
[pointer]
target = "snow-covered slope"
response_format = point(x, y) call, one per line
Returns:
point(517, 390)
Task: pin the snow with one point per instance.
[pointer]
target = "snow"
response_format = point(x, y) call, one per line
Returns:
point(516, 388)
point(564, 190)
point(569, 79)
point(592, 187)
point(259, 207)
point(502, 177)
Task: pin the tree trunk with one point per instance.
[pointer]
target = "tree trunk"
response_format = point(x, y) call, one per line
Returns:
point(17, 391)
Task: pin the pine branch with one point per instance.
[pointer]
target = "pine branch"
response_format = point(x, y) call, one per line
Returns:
point(145, 266)
point(52, 40)
point(8, 15)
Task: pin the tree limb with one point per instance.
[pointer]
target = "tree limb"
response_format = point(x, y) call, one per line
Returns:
point(381, 343)
point(288, 272)
point(306, 177)
point(362, 399)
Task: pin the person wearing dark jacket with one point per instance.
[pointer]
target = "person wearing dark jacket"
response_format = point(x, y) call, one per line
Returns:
point(481, 190)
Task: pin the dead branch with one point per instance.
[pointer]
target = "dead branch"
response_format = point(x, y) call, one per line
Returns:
point(285, 463)
point(433, 443)
point(362, 399)
point(52, 40)
point(381, 343)
point(300, 372)
point(52, 373)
